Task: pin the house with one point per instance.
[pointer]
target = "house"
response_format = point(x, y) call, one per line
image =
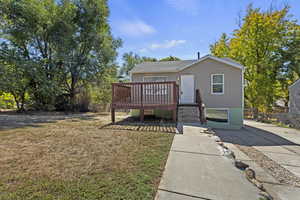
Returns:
point(215, 83)
point(294, 96)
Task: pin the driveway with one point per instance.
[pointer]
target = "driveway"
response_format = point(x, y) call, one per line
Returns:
point(196, 169)
point(273, 149)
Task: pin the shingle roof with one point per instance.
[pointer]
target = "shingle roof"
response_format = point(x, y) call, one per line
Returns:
point(176, 66)
point(164, 66)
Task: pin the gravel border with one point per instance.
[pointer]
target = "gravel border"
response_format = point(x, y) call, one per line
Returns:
point(277, 171)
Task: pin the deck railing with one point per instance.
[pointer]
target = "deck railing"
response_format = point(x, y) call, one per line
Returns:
point(145, 95)
point(201, 107)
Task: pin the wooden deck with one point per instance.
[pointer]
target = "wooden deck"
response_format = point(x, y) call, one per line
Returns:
point(145, 95)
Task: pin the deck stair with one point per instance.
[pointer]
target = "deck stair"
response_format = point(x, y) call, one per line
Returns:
point(188, 114)
point(192, 112)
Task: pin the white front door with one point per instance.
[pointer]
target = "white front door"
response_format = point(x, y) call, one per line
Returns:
point(187, 89)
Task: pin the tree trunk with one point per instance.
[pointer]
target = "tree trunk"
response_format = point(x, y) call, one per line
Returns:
point(255, 113)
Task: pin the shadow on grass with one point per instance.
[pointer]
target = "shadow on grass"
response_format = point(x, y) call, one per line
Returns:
point(151, 123)
point(13, 120)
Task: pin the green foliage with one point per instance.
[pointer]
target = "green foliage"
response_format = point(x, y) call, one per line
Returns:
point(170, 58)
point(259, 44)
point(221, 47)
point(7, 101)
point(101, 90)
point(130, 60)
point(57, 47)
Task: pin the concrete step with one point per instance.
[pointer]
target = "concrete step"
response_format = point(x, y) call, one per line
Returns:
point(188, 114)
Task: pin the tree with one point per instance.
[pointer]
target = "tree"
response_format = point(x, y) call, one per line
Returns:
point(13, 75)
point(68, 43)
point(170, 58)
point(260, 37)
point(221, 47)
point(130, 60)
point(89, 47)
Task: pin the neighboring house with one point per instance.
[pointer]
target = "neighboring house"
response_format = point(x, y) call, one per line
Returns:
point(294, 94)
point(219, 81)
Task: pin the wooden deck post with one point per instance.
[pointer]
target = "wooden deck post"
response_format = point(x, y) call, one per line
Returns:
point(113, 119)
point(142, 115)
point(174, 115)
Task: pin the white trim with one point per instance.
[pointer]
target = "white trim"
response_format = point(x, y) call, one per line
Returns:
point(155, 77)
point(211, 84)
point(216, 59)
point(243, 94)
point(228, 111)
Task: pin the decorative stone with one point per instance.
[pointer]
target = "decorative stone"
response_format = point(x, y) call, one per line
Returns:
point(217, 139)
point(265, 196)
point(228, 153)
point(258, 184)
point(240, 165)
point(250, 174)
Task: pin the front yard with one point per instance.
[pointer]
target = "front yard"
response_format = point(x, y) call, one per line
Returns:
point(71, 157)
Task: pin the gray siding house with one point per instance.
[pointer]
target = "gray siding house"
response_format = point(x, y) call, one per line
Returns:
point(294, 95)
point(219, 80)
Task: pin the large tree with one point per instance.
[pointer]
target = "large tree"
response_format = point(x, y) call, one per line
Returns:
point(221, 47)
point(170, 58)
point(261, 36)
point(130, 60)
point(68, 43)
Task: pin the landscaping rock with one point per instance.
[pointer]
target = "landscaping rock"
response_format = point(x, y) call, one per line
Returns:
point(228, 153)
point(250, 173)
point(217, 139)
point(240, 165)
point(265, 196)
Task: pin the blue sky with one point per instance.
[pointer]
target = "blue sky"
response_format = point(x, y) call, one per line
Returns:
point(159, 28)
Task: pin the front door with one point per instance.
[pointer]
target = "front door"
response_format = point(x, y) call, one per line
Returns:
point(187, 89)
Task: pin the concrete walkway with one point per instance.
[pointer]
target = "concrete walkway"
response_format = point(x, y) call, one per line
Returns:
point(279, 144)
point(196, 169)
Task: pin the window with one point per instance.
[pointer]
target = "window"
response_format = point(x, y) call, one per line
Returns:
point(217, 115)
point(160, 89)
point(217, 83)
point(155, 78)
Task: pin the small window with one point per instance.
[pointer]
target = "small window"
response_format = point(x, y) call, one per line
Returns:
point(217, 83)
point(217, 115)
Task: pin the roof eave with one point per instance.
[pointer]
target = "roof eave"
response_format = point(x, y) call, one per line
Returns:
point(155, 72)
point(217, 59)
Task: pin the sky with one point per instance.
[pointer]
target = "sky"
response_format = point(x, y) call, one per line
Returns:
point(181, 28)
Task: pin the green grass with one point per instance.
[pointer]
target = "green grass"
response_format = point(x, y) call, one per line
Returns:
point(105, 164)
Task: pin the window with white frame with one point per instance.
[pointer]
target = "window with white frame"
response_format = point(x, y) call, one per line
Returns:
point(217, 83)
point(217, 115)
point(158, 89)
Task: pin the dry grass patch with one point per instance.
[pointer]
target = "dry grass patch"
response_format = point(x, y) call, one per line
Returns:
point(75, 159)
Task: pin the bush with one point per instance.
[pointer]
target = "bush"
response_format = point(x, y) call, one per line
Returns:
point(7, 101)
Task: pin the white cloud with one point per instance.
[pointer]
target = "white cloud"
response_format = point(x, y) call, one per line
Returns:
point(188, 6)
point(167, 44)
point(136, 28)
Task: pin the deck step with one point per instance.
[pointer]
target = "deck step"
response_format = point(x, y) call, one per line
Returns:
point(188, 114)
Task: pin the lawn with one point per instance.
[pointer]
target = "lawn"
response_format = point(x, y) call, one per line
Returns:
point(73, 158)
